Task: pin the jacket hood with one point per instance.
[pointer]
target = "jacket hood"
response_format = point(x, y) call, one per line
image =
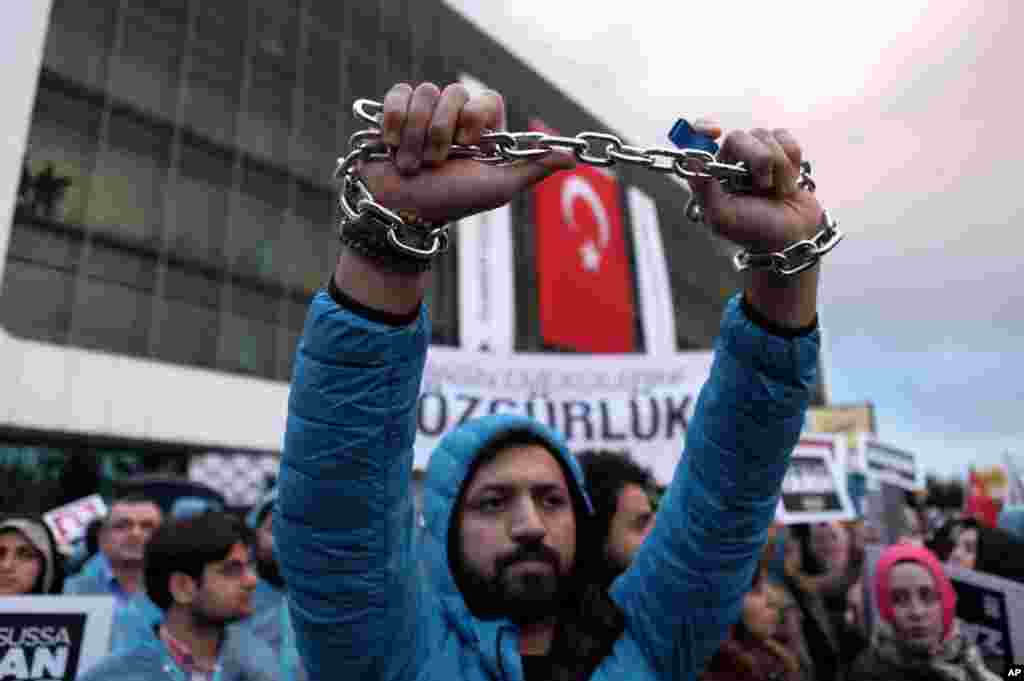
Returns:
point(447, 473)
point(257, 513)
point(898, 553)
point(1011, 519)
point(39, 536)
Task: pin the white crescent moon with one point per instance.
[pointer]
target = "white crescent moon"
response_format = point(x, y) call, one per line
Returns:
point(577, 187)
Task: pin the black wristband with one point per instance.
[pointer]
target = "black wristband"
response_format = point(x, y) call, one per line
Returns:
point(773, 328)
point(369, 313)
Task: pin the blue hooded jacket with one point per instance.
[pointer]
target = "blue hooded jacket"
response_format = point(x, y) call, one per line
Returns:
point(345, 534)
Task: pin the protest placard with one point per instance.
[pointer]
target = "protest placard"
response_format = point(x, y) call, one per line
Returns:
point(70, 522)
point(55, 638)
point(889, 465)
point(814, 489)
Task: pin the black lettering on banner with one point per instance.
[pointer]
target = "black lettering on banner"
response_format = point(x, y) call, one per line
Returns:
point(606, 424)
point(472, 402)
point(499, 402)
point(551, 422)
point(675, 415)
point(442, 414)
point(569, 410)
point(38, 646)
point(634, 421)
point(985, 622)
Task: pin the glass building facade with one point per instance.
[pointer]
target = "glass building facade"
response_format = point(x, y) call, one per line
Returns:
point(176, 203)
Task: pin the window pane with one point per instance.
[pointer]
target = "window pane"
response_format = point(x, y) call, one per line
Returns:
point(247, 345)
point(62, 143)
point(145, 71)
point(308, 245)
point(198, 209)
point(215, 71)
point(125, 195)
point(256, 223)
point(79, 39)
point(185, 332)
point(110, 317)
point(121, 266)
point(36, 300)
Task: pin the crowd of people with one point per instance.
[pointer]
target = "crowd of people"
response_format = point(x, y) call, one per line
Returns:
point(528, 561)
point(203, 590)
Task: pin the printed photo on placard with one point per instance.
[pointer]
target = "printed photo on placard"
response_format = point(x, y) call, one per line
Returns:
point(814, 490)
point(889, 465)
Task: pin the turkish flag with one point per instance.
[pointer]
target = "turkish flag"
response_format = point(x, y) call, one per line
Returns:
point(585, 281)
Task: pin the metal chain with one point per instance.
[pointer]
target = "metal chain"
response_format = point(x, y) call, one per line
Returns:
point(593, 148)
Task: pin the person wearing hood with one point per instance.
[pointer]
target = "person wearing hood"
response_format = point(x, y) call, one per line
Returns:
point(504, 588)
point(199, 574)
point(1011, 519)
point(30, 563)
point(917, 637)
point(271, 621)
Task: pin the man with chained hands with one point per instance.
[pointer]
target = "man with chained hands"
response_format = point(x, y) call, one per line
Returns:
point(501, 583)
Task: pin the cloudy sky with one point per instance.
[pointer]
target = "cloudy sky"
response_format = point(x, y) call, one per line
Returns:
point(911, 111)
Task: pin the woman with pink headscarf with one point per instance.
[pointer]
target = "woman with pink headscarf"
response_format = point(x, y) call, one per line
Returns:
point(917, 637)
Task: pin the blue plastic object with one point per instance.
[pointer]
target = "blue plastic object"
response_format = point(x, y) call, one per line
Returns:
point(685, 137)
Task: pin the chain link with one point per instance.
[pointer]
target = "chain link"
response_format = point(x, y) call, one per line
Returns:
point(593, 148)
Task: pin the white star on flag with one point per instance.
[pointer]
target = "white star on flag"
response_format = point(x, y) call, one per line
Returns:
point(590, 256)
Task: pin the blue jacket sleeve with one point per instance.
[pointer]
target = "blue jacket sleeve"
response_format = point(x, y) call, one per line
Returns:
point(343, 531)
point(686, 584)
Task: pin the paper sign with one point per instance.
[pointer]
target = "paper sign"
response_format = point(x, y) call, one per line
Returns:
point(55, 638)
point(70, 522)
point(814, 490)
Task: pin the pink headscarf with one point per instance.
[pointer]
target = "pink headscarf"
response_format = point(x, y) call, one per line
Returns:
point(898, 553)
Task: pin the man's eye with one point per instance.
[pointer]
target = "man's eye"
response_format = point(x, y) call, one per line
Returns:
point(555, 501)
point(490, 504)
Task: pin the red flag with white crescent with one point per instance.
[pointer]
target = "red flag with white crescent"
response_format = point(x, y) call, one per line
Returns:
point(584, 277)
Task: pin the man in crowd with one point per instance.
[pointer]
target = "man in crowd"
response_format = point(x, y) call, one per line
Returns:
point(620, 490)
point(117, 568)
point(199, 573)
point(506, 589)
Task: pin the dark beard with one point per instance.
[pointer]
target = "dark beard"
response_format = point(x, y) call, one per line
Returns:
point(523, 598)
point(270, 573)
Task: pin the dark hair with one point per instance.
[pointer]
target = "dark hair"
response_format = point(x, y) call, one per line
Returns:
point(131, 498)
point(585, 544)
point(188, 545)
point(607, 472)
point(92, 537)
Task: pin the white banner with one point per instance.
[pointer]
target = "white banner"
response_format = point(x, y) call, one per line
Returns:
point(486, 281)
point(615, 402)
point(887, 464)
point(70, 522)
point(55, 638)
point(814, 489)
point(654, 287)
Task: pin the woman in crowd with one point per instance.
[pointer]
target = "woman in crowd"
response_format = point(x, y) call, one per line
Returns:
point(29, 560)
point(916, 637)
point(753, 650)
point(821, 565)
point(969, 544)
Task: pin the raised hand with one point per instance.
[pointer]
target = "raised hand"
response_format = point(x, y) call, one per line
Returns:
point(778, 213)
point(420, 125)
